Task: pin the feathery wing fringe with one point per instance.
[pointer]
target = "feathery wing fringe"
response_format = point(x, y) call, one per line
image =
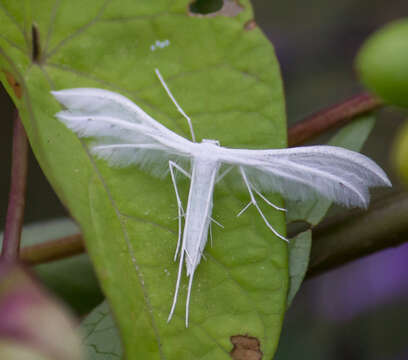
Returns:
point(124, 133)
point(127, 135)
point(301, 173)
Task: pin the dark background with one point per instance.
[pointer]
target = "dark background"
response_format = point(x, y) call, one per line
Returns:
point(361, 310)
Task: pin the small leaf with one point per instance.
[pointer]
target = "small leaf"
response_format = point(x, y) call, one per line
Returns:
point(299, 254)
point(101, 338)
point(382, 62)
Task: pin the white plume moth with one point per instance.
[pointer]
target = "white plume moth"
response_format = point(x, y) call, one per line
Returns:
point(125, 135)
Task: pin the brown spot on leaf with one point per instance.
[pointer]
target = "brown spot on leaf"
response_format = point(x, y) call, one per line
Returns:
point(250, 25)
point(245, 348)
point(211, 8)
point(14, 84)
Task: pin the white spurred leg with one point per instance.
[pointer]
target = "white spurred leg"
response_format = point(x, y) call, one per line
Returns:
point(179, 168)
point(172, 166)
point(211, 238)
point(221, 176)
point(244, 209)
point(264, 199)
point(180, 270)
point(176, 103)
point(190, 284)
point(268, 202)
point(253, 201)
point(217, 223)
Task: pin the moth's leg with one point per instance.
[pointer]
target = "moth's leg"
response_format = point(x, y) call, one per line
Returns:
point(211, 238)
point(172, 166)
point(244, 209)
point(188, 255)
point(180, 270)
point(263, 198)
point(253, 201)
point(216, 222)
point(221, 176)
point(190, 284)
point(268, 202)
point(179, 168)
point(190, 125)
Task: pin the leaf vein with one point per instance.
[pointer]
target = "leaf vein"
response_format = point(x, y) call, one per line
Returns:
point(130, 249)
point(228, 273)
point(78, 31)
point(50, 31)
point(13, 44)
point(14, 21)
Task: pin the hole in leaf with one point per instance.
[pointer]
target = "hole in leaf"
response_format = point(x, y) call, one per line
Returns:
point(35, 45)
point(212, 8)
point(205, 7)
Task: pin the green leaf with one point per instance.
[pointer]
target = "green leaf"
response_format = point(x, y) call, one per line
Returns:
point(72, 279)
point(227, 79)
point(352, 137)
point(382, 62)
point(101, 338)
point(299, 254)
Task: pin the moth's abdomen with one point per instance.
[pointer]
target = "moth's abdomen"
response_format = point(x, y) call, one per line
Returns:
point(199, 209)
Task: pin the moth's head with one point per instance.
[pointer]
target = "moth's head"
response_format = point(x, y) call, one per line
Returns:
point(210, 141)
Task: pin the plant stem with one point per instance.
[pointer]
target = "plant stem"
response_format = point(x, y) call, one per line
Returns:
point(53, 250)
point(16, 204)
point(331, 117)
point(359, 234)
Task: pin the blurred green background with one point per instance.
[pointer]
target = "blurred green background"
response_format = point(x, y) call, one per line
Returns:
point(361, 310)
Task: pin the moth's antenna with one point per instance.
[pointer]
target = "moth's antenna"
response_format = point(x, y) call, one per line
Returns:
point(176, 103)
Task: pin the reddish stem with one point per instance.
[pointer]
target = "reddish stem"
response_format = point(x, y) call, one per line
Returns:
point(53, 250)
point(331, 117)
point(16, 204)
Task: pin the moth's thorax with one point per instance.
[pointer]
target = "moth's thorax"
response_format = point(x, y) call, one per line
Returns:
point(210, 141)
point(206, 150)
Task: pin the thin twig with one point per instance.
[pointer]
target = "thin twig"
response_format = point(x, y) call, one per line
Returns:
point(331, 117)
point(53, 250)
point(359, 233)
point(16, 204)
